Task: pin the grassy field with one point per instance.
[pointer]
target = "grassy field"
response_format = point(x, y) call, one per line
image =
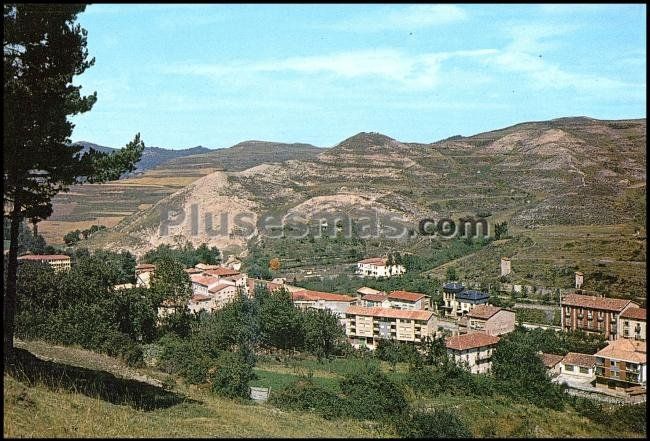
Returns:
point(65, 408)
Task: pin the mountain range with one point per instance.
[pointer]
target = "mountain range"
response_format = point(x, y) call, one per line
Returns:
point(574, 186)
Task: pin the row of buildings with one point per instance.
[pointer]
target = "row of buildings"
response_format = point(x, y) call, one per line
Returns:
point(372, 315)
point(609, 317)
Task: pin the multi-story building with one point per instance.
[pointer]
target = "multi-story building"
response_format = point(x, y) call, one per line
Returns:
point(449, 292)
point(408, 300)
point(491, 320)
point(56, 261)
point(224, 292)
point(365, 327)
point(201, 284)
point(472, 350)
point(375, 300)
point(337, 303)
point(378, 267)
point(621, 364)
point(469, 299)
point(594, 315)
point(632, 324)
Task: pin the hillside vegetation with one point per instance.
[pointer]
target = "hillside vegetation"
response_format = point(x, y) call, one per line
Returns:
point(571, 189)
point(61, 408)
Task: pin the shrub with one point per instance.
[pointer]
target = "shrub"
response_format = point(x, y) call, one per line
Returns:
point(304, 395)
point(185, 358)
point(232, 375)
point(441, 423)
point(372, 395)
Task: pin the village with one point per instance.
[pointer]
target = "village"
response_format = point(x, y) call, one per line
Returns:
point(472, 327)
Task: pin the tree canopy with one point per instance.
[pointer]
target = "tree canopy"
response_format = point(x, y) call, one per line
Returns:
point(43, 49)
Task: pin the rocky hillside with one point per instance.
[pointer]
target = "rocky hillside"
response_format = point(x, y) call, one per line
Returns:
point(546, 176)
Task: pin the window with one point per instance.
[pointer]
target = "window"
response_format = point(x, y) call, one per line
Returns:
point(568, 367)
point(584, 370)
point(612, 363)
point(626, 323)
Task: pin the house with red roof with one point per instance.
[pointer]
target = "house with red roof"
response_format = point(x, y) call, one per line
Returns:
point(551, 362)
point(56, 261)
point(474, 350)
point(380, 299)
point(632, 324)
point(592, 314)
point(578, 366)
point(378, 267)
point(337, 303)
point(408, 300)
point(491, 320)
point(621, 365)
point(365, 327)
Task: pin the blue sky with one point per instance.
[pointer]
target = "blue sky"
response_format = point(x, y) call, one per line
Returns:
point(215, 75)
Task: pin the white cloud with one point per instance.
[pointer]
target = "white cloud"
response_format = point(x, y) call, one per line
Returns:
point(523, 55)
point(411, 17)
point(421, 71)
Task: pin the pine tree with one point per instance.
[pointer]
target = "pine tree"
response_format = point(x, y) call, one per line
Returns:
point(43, 49)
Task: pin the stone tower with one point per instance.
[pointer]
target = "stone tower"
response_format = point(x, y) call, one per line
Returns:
point(579, 279)
point(505, 266)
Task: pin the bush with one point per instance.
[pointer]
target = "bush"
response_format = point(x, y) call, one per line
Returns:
point(184, 357)
point(372, 395)
point(232, 375)
point(304, 395)
point(441, 423)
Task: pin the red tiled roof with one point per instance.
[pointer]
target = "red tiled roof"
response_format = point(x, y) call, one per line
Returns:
point(44, 257)
point(624, 349)
point(389, 313)
point(550, 360)
point(319, 295)
point(578, 359)
point(406, 295)
point(221, 272)
point(380, 261)
point(594, 302)
point(200, 298)
point(218, 288)
point(193, 271)
point(470, 341)
point(203, 280)
point(483, 311)
point(375, 297)
point(634, 313)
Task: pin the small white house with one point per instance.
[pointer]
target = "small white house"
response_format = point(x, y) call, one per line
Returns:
point(580, 366)
point(377, 267)
point(473, 351)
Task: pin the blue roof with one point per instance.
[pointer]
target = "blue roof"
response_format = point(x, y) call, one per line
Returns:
point(472, 295)
point(453, 286)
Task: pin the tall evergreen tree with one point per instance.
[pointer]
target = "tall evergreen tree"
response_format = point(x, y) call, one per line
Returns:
point(43, 49)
